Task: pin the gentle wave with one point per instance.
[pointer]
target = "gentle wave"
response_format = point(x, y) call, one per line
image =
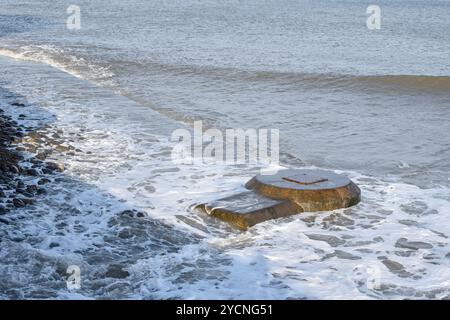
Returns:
point(84, 69)
point(313, 80)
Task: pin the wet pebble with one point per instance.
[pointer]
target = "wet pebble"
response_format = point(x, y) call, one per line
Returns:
point(125, 234)
point(395, 267)
point(32, 189)
point(116, 271)
point(413, 245)
point(43, 181)
point(24, 193)
point(53, 245)
point(55, 166)
point(14, 169)
point(47, 171)
point(28, 201)
point(133, 213)
point(32, 172)
point(18, 104)
point(41, 156)
point(345, 255)
point(18, 203)
point(331, 240)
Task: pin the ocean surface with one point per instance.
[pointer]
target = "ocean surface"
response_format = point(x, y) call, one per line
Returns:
point(372, 104)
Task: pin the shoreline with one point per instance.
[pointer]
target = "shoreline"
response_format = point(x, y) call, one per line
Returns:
point(24, 170)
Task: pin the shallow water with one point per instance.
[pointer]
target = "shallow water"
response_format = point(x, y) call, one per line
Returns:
point(373, 105)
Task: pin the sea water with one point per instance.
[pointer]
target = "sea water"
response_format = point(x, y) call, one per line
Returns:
point(372, 104)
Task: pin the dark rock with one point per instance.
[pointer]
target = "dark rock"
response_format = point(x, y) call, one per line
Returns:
point(61, 225)
point(345, 255)
point(116, 271)
point(43, 181)
point(129, 213)
point(3, 210)
point(331, 240)
point(14, 169)
point(18, 203)
point(32, 172)
point(133, 213)
point(24, 193)
point(55, 166)
point(413, 245)
point(36, 161)
point(47, 171)
point(62, 149)
point(396, 268)
point(32, 189)
point(393, 265)
point(125, 234)
point(53, 245)
point(41, 156)
point(18, 238)
point(30, 148)
point(41, 191)
point(28, 201)
point(10, 169)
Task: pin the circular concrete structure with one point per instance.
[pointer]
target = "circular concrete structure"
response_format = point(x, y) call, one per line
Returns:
point(311, 189)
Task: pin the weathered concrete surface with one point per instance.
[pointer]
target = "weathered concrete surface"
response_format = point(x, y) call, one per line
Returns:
point(246, 209)
point(312, 190)
point(286, 193)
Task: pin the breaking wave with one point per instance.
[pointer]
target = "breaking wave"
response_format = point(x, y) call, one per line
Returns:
point(59, 59)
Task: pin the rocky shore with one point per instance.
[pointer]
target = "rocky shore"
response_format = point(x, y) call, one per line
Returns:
point(23, 167)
